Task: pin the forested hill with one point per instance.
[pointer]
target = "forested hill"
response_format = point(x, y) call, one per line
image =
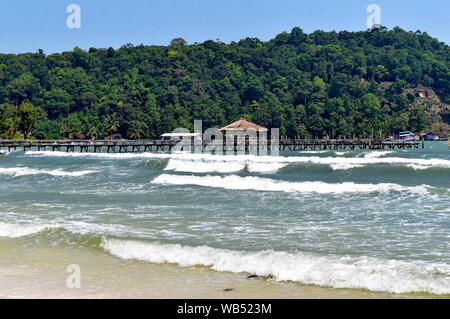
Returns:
point(331, 84)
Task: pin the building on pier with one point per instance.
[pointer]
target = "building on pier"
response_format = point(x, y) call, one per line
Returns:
point(243, 125)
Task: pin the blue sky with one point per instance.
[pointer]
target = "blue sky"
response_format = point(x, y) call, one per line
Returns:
point(26, 26)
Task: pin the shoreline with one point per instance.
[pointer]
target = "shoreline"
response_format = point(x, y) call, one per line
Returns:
point(43, 275)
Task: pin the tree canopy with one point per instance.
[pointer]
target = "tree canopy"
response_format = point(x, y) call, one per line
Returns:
point(309, 85)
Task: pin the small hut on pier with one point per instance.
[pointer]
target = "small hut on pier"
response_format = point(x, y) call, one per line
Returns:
point(244, 131)
point(243, 125)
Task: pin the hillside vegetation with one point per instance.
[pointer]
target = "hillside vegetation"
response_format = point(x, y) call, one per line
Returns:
point(309, 85)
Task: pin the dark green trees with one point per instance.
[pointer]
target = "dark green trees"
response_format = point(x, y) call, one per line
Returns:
point(335, 84)
point(19, 121)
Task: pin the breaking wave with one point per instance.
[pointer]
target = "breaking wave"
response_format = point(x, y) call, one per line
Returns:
point(18, 230)
point(329, 271)
point(344, 167)
point(104, 155)
point(264, 167)
point(377, 154)
point(209, 166)
point(345, 272)
point(432, 162)
point(25, 171)
point(236, 161)
point(265, 184)
point(204, 166)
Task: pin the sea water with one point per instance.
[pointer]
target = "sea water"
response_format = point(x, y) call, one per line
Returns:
point(377, 221)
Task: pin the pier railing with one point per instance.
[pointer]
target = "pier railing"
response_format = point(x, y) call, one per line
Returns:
point(242, 145)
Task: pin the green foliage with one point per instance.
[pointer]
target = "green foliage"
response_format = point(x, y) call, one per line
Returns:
point(19, 121)
point(309, 85)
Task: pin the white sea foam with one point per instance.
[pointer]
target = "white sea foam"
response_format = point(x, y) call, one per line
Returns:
point(377, 154)
point(315, 152)
point(369, 159)
point(362, 273)
point(264, 167)
point(105, 155)
point(340, 153)
point(344, 167)
point(432, 162)
point(17, 230)
point(202, 166)
point(271, 185)
point(20, 230)
point(418, 167)
point(24, 171)
point(211, 166)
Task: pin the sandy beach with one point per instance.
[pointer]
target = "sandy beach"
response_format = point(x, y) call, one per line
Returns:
point(38, 272)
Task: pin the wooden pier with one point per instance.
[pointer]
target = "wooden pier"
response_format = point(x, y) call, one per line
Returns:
point(243, 146)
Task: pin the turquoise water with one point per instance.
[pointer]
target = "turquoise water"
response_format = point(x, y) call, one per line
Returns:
point(373, 220)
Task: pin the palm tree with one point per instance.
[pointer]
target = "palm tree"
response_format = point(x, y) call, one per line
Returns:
point(112, 123)
point(136, 131)
point(94, 131)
